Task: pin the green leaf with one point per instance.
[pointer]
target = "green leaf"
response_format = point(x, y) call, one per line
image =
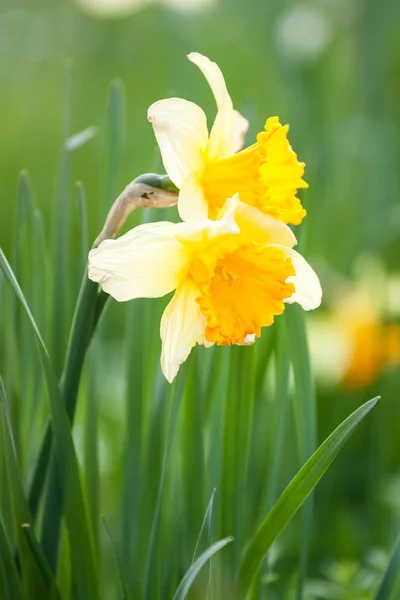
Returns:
point(295, 494)
point(305, 414)
point(62, 240)
point(83, 565)
point(41, 562)
point(389, 588)
point(82, 223)
point(151, 559)
point(205, 529)
point(115, 135)
point(9, 579)
point(38, 578)
point(123, 587)
point(194, 570)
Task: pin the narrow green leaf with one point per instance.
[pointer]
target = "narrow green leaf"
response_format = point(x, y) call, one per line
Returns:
point(11, 580)
point(205, 533)
point(295, 494)
point(81, 334)
point(205, 529)
point(305, 413)
point(82, 224)
point(62, 227)
point(115, 131)
point(40, 577)
point(42, 564)
point(231, 451)
point(85, 575)
point(131, 486)
point(91, 445)
point(304, 406)
point(194, 570)
point(192, 451)
point(389, 588)
point(123, 587)
point(282, 366)
point(151, 560)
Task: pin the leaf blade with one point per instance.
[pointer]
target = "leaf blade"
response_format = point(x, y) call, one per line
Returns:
point(194, 570)
point(81, 544)
point(300, 487)
point(391, 578)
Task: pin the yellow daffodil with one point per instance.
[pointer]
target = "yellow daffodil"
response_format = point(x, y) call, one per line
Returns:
point(208, 168)
point(231, 275)
point(374, 345)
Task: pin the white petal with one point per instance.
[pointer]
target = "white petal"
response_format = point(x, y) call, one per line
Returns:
point(222, 135)
point(146, 262)
point(257, 225)
point(192, 205)
point(182, 327)
point(308, 291)
point(241, 126)
point(180, 127)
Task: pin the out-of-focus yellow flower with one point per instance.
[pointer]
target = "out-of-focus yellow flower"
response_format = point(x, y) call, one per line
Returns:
point(374, 345)
point(231, 276)
point(208, 168)
point(359, 338)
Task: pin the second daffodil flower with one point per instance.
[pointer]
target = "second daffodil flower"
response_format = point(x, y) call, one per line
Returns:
point(231, 276)
point(208, 168)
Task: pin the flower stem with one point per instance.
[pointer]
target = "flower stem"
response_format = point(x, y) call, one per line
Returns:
point(90, 304)
point(88, 310)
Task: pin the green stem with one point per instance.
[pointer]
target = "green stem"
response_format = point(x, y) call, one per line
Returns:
point(85, 320)
point(88, 311)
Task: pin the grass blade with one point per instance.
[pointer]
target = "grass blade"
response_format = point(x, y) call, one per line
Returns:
point(62, 227)
point(38, 578)
point(41, 562)
point(115, 134)
point(305, 413)
point(123, 587)
point(389, 588)
point(205, 529)
point(151, 561)
point(296, 493)
point(194, 570)
point(82, 331)
point(10, 581)
point(83, 567)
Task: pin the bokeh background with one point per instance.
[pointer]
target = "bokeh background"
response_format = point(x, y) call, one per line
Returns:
point(330, 68)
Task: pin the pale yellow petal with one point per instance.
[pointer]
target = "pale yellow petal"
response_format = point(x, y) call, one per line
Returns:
point(182, 327)
point(181, 131)
point(241, 126)
point(308, 291)
point(222, 136)
point(146, 262)
point(257, 225)
point(192, 205)
point(205, 230)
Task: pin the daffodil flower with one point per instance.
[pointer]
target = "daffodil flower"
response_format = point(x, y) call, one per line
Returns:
point(231, 276)
point(208, 168)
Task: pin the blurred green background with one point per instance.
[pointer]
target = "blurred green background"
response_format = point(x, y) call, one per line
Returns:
point(330, 68)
